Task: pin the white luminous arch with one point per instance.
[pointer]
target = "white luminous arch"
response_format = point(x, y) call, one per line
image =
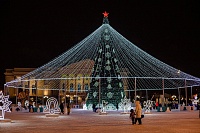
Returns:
point(52, 106)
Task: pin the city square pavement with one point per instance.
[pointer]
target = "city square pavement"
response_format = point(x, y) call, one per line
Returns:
point(86, 121)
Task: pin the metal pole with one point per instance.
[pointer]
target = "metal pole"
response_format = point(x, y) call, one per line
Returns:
point(17, 95)
point(179, 96)
point(135, 90)
point(186, 103)
point(36, 93)
point(199, 113)
point(146, 94)
point(29, 91)
point(76, 96)
point(4, 92)
point(191, 92)
point(43, 97)
point(59, 95)
point(163, 86)
point(99, 91)
point(65, 92)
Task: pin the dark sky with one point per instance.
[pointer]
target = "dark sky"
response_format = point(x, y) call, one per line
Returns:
point(33, 32)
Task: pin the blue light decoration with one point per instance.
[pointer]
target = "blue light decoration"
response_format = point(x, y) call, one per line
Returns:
point(108, 56)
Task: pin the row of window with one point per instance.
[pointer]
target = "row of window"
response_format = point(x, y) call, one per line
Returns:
point(72, 89)
point(79, 87)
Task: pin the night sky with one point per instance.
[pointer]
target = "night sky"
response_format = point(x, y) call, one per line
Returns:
point(33, 32)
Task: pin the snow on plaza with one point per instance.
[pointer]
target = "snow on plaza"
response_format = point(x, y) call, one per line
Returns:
point(86, 121)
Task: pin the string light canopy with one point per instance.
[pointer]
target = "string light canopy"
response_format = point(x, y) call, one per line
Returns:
point(121, 59)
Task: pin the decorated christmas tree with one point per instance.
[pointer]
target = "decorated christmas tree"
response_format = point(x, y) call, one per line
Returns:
point(106, 85)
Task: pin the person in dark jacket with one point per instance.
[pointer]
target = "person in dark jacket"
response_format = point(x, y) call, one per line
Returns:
point(132, 116)
point(61, 108)
point(68, 109)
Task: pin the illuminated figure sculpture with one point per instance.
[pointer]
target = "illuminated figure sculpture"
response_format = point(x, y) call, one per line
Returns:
point(4, 104)
point(52, 106)
point(147, 105)
point(125, 105)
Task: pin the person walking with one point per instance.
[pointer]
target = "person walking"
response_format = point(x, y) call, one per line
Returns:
point(68, 109)
point(117, 106)
point(93, 107)
point(61, 108)
point(132, 116)
point(138, 112)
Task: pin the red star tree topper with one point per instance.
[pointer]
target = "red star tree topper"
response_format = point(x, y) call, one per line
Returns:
point(105, 14)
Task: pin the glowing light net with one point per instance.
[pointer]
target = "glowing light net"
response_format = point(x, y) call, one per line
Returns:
point(141, 70)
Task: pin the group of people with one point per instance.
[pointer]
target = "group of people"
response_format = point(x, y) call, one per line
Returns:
point(136, 115)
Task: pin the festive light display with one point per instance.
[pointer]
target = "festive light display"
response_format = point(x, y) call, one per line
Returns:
point(107, 56)
point(125, 105)
point(4, 104)
point(52, 106)
point(106, 90)
point(147, 104)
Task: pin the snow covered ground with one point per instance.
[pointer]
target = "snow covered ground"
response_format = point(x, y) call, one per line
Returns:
point(86, 121)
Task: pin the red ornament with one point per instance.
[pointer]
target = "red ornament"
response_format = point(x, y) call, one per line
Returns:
point(105, 14)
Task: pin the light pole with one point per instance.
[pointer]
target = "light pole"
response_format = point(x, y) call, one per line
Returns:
point(99, 91)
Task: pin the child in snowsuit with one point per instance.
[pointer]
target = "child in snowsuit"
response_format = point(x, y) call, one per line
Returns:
point(132, 116)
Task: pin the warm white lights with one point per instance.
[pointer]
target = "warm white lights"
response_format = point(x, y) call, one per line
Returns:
point(133, 62)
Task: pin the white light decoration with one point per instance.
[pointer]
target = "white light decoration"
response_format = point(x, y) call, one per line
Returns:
point(94, 94)
point(104, 104)
point(125, 105)
point(4, 105)
point(108, 68)
point(84, 107)
point(109, 79)
point(109, 86)
point(109, 94)
point(122, 94)
point(107, 46)
point(19, 105)
point(147, 104)
point(52, 106)
point(96, 84)
point(26, 103)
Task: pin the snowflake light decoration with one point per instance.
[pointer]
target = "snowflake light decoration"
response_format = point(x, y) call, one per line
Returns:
point(4, 104)
point(110, 95)
point(125, 104)
point(94, 94)
point(147, 105)
point(104, 103)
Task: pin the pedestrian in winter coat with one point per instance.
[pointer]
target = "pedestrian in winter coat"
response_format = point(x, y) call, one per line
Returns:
point(61, 108)
point(132, 116)
point(138, 112)
point(68, 109)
